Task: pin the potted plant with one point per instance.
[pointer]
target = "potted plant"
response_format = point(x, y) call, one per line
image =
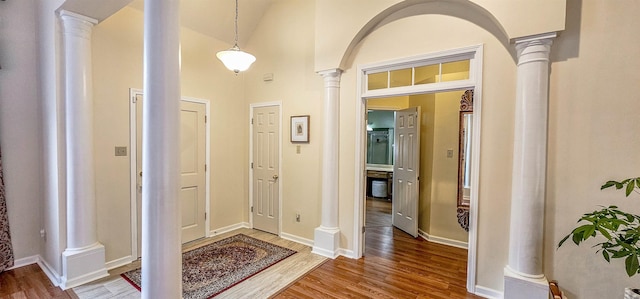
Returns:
point(620, 230)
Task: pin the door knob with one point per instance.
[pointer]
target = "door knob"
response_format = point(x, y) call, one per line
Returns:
point(275, 177)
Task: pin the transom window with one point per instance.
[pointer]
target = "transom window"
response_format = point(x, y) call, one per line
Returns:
point(419, 75)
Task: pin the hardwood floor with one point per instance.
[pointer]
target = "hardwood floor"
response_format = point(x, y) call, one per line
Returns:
point(28, 282)
point(395, 265)
point(378, 212)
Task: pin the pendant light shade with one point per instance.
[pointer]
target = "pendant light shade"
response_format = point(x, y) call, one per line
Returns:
point(235, 59)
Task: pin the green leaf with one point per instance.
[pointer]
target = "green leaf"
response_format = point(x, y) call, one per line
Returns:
point(605, 233)
point(606, 256)
point(577, 237)
point(632, 265)
point(590, 232)
point(608, 184)
point(619, 186)
point(619, 254)
point(638, 182)
point(563, 239)
point(630, 187)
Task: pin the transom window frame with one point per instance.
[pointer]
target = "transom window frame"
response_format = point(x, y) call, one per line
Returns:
point(468, 53)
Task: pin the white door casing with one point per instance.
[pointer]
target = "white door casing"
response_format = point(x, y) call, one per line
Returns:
point(194, 192)
point(265, 205)
point(406, 170)
point(475, 54)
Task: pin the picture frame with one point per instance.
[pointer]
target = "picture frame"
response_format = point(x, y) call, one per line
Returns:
point(300, 129)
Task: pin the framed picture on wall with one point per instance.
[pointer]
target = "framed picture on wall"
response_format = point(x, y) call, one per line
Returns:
point(300, 129)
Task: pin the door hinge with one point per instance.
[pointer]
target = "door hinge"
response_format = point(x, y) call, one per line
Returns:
point(205, 119)
point(133, 100)
point(205, 216)
point(205, 167)
point(251, 165)
point(363, 229)
point(251, 209)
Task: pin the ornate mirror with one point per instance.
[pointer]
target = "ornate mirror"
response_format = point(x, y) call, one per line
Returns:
point(464, 158)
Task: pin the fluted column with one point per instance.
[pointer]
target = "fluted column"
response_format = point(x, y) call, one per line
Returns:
point(524, 277)
point(84, 258)
point(161, 220)
point(326, 238)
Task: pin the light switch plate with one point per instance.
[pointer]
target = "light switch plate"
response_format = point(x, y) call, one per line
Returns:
point(121, 150)
point(449, 153)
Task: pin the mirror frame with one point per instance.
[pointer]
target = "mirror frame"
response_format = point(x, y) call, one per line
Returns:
point(466, 108)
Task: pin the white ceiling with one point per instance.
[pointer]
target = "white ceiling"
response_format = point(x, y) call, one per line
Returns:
point(215, 18)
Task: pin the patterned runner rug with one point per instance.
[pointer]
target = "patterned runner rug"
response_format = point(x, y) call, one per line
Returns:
point(209, 270)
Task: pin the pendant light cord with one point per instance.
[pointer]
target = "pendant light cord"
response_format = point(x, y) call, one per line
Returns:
point(236, 40)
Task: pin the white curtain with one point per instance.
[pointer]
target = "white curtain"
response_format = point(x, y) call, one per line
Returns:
point(6, 250)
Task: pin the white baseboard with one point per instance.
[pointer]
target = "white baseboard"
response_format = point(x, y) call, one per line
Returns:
point(119, 262)
point(488, 293)
point(346, 253)
point(294, 238)
point(444, 241)
point(229, 228)
point(24, 261)
point(51, 273)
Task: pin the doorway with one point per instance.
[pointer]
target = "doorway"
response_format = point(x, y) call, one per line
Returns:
point(426, 142)
point(265, 144)
point(194, 175)
point(421, 75)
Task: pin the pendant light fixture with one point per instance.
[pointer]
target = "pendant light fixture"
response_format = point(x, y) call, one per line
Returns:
point(235, 59)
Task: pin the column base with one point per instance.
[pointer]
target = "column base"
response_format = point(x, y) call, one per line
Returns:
point(80, 266)
point(326, 242)
point(517, 286)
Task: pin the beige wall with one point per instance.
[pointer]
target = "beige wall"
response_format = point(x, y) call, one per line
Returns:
point(118, 66)
point(342, 24)
point(283, 46)
point(593, 137)
point(444, 178)
point(20, 133)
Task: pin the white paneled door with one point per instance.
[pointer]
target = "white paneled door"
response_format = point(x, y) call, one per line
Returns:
point(192, 170)
point(266, 168)
point(192, 173)
point(406, 170)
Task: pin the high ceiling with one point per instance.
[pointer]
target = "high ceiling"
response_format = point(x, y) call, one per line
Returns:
point(215, 18)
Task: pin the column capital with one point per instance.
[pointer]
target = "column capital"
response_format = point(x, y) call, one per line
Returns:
point(77, 24)
point(534, 48)
point(330, 73)
point(331, 78)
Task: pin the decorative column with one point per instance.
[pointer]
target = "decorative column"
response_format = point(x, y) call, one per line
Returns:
point(161, 220)
point(327, 236)
point(523, 276)
point(84, 258)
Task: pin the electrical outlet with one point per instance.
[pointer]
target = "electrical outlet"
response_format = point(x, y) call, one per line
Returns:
point(297, 217)
point(121, 150)
point(449, 153)
point(297, 149)
point(43, 233)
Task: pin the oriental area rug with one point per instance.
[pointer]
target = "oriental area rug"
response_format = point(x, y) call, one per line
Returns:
point(209, 270)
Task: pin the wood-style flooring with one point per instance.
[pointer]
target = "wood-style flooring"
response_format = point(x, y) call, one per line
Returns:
point(28, 282)
point(395, 265)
